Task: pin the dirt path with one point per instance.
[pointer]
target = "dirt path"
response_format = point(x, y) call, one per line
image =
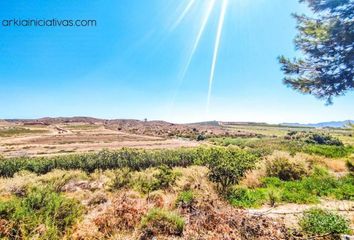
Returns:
point(291, 213)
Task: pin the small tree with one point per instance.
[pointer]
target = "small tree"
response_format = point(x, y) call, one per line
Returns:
point(201, 137)
point(228, 166)
point(285, 170)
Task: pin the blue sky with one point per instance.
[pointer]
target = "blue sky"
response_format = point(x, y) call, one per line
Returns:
point(130, 64)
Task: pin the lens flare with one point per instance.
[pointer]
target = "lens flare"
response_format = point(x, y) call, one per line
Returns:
point(184, 14)
point(195, 46)
point(200, 34)
point(210, 7)
point(216, 50)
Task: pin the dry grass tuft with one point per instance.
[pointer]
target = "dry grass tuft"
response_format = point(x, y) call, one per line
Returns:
point(156, 199)
point(336, 165)
point(125, 214)
point(97, 199)
point(212, 219)
point(253, 178)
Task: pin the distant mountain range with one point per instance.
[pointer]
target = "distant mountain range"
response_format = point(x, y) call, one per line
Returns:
point(90, 120)
point(334, 124)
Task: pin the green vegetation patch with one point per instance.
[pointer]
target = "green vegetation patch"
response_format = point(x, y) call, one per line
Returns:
point(247, 198)
point(308, 190)
point(163, 178)
point(186, 198)
point(128, 158)
point(82, 127)
point(9, 132)
point(261, 146)
point(320, 222)
point(160, 221)
point(121, 178)
point(328, 150)
point(40, 214)
point(265, 146)
point(314, 138)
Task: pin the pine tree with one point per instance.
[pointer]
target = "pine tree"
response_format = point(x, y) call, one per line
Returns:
point(326, 40)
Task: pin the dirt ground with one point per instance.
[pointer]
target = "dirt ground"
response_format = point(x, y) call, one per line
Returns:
point(57, 139)
point(290, 213)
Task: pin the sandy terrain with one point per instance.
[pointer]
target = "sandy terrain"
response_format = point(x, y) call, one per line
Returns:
point(77, 137)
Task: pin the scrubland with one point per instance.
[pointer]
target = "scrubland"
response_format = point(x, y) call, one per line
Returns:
point(281, 184)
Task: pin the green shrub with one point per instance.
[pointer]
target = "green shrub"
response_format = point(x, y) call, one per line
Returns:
point(160, 221)
point(323, 139)
point(122, 178)
point(165, 178)
point(319, 171)
point(273, 182)
point(41, 214)
point(345, 191)
point(247, 198)
point(185, 198)
point(145, 184)
point(201, 137)
point(329, 151)
point(274, 196)
point(294, 192)
point(285, 170)
point(315, 138)
point(320, 185)
point(134, 159)
point(228, 167)
point(319, 222)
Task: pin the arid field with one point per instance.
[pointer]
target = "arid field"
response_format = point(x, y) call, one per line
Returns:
point(86, 178)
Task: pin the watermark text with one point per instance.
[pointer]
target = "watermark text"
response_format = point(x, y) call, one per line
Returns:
point(55, 22)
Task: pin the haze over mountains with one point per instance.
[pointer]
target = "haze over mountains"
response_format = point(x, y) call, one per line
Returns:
point(48, 120)
point(334, 124)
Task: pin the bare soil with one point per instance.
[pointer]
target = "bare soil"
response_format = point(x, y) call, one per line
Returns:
point(60, 139)
point(290, 213)
point(82, 134)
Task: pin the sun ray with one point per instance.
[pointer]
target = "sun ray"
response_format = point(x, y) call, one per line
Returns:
point(216, 50)
point(184, 14)
point(205, 20)
point(200, 34)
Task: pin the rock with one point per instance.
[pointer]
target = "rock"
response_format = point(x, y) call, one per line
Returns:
point(346, 237)
point(74, 186)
